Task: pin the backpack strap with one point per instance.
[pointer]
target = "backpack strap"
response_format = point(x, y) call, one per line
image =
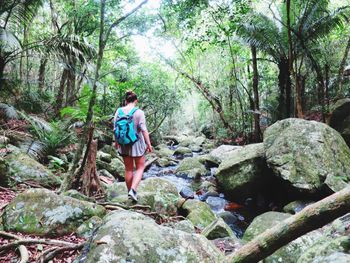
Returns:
point(133, 111)
point(120, 112)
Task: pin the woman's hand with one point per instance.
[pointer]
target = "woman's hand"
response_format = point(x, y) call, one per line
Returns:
point(149, 148)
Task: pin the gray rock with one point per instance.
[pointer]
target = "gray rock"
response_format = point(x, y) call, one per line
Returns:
point(187, 193)
point(22, 168)
point(199, 213)
point(42, 212)
point(191, 167)
point(223, 150)
point(158, 193)
point(105, 157)
point(289, 253)
point(242, 172)
point(217, 229)
point(86, 229)
point(116, 167)
point(77, 195)
point(131, 237)
point(184, 225)
point(195, 148)
point(340, 118)
point(217, 204)
point(296, 206)
point(4, 140)
point(308, 154)
point(183, 151)
point(163, 151)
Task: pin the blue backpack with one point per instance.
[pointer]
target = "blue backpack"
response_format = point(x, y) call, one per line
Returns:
point(124, 131)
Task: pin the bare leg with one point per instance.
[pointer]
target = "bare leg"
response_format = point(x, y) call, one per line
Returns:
point(129, 170)
point(140, 166)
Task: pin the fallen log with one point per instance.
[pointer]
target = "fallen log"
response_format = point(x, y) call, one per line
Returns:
point(310, 218)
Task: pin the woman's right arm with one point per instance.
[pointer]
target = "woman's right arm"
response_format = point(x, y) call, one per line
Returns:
point(147, 140)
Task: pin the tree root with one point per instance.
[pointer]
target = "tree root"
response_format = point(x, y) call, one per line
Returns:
point(49, 254)
point(24, 254)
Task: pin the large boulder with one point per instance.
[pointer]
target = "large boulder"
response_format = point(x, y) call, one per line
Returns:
point(191, 167)
point(163, 151)
point(183, 151)
point(128, 236)
point(42, 212)
point(340, 118)
point(243, 171)
point(288, 253)
point(158, 193)
point(115, 167)
point(19, 167)
point(223, 151)
point(308, 154)
point(199, 213)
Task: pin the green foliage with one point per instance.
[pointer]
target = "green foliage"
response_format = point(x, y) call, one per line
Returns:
point(80, 111)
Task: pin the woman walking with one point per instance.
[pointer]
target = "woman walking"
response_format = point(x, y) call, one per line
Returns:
point(133, 154)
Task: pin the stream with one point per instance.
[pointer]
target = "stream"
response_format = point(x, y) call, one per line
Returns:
point(238, 218)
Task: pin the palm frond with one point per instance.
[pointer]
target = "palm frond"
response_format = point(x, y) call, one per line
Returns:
point(263, 33)
point(18, 11)
point(8, 112)
point(8, 40)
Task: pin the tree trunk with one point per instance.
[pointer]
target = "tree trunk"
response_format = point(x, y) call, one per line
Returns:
point(2, 69)
point(339, 81)
point(310, 218)
point(42, 70)
point(284, 84)
point(60, 93)
point(256, 109)
point(91, 184)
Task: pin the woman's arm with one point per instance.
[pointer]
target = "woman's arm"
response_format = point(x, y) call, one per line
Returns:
point(147, 140)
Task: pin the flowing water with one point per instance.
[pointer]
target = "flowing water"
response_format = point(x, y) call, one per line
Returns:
point(237, 220)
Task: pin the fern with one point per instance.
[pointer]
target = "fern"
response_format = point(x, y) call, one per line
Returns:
point(8, 112)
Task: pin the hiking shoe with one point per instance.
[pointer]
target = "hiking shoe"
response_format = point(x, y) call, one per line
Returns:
point(132, 194)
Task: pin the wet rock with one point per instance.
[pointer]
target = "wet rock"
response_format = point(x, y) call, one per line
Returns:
point(209, 161)
point(184, 225)
point(186, 141)
point(210, 193)
point(243, 172)
point(228, 217)
point(223, 151)
point(195, 148)
point(132, 237)
point(217, 229)
point(22, 168)
point(105, 157)
point(340, 118)
point(216, 203)
point(163, 151)
point(296, 206)
point(86, 229)
point(183, 151)
point(191, 167)
point(164, 162)
point(111, 150)
point(42, 212)
point(105, 173)
point(307, 154)
point(289, 253)
point(158, 193)
point(199, 213)
point(199, 141)
point(187, 193)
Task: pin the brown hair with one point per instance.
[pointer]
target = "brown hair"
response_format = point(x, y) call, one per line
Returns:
point(130, 96)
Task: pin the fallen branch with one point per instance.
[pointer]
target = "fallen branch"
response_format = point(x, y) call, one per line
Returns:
point(310, 218)
point(51, 253)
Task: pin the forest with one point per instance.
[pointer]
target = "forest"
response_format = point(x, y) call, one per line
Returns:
point(247, 105)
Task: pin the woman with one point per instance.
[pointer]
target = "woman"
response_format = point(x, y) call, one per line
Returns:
point(134, 153)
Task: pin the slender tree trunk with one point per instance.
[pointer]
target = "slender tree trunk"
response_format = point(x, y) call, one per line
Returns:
point(284, 85)
point(42, 69)
point(256, 109)
point(310, 218)
point(339, 81)
point(2, 70)
point(60, 93)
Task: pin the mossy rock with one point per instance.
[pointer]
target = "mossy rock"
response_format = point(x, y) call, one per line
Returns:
point(223, 151)
point(159, 194)
point(340, 118)
point(42, 212)
point(199, 213)
point(307, 154)
point(132, 237)
point(116, 167)
point(105, 157)
point(191, 167)
point(296, 206)
point(332, 248)
point(243, 172)
point(77, 195)
point(22, 168)
point(87, 228)
point(217, 229)
point(183, 151)
point(288, 253)
point(163, 151)
point(183, 225)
